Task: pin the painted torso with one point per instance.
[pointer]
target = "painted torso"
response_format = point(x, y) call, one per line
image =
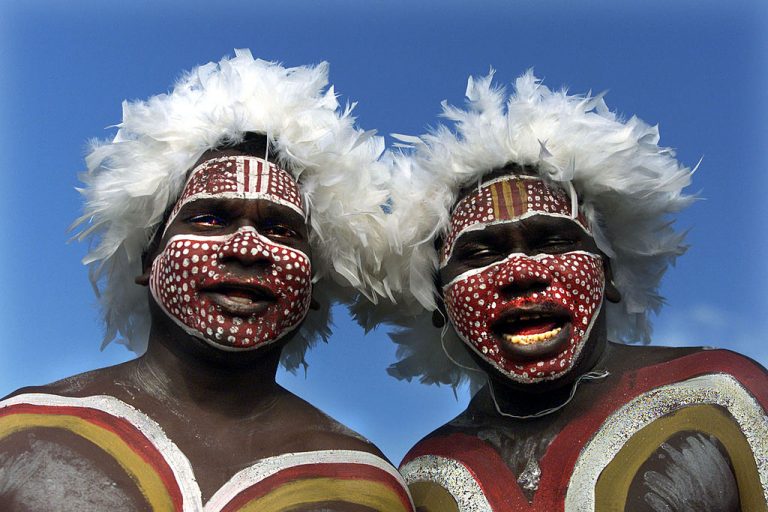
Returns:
point(591, 460)
point(142, 456)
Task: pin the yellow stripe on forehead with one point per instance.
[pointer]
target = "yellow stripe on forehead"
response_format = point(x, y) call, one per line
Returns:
point(511, 198)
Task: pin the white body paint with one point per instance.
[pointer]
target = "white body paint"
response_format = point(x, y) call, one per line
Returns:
point(180, 465)
point(716, 389)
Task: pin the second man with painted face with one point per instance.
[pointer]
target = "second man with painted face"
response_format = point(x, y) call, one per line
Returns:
point(535, 232)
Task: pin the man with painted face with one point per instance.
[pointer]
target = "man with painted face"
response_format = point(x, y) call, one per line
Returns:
point(222, 214)
point(543, 222)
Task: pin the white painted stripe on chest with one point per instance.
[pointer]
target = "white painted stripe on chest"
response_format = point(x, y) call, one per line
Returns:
point(273, 465)
point(177, 461)
point(451, 475)
point(716, 389)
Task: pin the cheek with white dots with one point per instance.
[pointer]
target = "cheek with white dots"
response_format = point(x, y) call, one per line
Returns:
point(575, 282)
point(190, 264)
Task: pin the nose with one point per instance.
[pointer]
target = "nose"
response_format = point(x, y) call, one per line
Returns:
point(245, 248)
point(523, 277)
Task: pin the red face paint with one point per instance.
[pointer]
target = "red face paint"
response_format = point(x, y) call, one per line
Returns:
point(190, 279)
point(559, 315)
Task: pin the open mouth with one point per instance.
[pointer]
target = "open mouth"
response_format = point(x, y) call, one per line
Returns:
point(523, 328)
point(241, 299)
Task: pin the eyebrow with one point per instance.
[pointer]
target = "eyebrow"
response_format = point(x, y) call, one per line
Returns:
point(270, 208)
point(279, 210)
point(545, 224)
point(551, 223)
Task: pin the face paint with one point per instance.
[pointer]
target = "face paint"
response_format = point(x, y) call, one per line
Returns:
point(240, 177)
point(503, 200)
point(190, 278)
point(557, 316)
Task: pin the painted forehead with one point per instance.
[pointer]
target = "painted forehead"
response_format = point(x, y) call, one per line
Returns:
point(241, 177)
point(507, 199)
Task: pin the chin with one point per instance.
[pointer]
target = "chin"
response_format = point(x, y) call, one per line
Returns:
point(549, 361)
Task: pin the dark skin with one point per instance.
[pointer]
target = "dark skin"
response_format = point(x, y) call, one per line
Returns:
point(224, 410)
point(518, 440)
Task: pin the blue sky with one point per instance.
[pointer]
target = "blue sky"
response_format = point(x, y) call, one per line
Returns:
point(697, 68)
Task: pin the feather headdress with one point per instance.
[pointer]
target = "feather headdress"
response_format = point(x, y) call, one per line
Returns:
point(626, 183)
point(132, 180)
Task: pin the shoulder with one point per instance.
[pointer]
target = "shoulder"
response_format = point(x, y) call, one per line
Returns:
point(43, 472)
point(452, 471)
point(676, 363)
point(312, 429)
point(692, 416)
point(95, 382)
point(50, 458)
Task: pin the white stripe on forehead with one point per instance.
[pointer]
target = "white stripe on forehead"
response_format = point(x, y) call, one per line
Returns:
point(240, 177)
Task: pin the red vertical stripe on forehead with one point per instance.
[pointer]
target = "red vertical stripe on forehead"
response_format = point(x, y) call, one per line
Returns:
point(521, 194)
point(246, 175)
point(259, 174)
point(509, 199)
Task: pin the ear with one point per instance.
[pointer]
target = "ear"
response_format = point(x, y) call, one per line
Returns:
point(142, 279)
point(147, 258)
point(146, 264)
point(612, 293)
point(438, 315)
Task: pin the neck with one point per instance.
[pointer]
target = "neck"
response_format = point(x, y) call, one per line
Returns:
point(186, 370)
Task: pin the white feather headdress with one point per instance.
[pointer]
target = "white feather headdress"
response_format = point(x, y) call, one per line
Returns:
point(133, 179)
point(627, 185)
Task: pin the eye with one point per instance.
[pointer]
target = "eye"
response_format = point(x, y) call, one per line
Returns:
point(556, 244)
point(476, 255)
point(277, 230)
point(207, 220)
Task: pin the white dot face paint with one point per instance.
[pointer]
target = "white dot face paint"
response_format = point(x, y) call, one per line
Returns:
point(566, 307)
point(558, 314)
point(199, 281)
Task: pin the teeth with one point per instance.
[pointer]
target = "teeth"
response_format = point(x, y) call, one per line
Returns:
point(530, 339)
point(239, 299)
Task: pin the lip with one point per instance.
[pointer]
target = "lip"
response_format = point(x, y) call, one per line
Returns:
point(533, 349)
point(240, 298)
